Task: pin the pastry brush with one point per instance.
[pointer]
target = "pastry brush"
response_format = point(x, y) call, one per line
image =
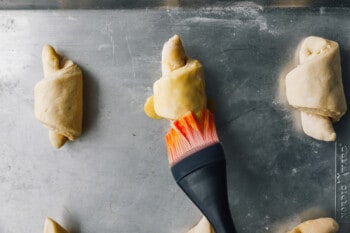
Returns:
point(198, 166)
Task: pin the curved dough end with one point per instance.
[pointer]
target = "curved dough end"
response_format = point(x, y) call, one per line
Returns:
point(173, 55)
point(318, 127)
point(148, 108)
point(50, 60)
point(53, 227)
point(56, 139)
point(320, 225)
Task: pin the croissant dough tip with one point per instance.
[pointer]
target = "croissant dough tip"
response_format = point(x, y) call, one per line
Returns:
point(57, 140)
point(173, 42)
point(173, 55)
point(149, 108)
point(56, 146)
point(47, 47)
point(327, 138)
point(318, 127)
point(48, 51)
point(51, 226)
point(175, 37)
point(320, 225)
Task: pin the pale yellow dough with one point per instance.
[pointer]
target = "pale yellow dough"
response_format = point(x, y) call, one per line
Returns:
point(320, 225)
point(203, 226)
point(59, 98)
point(315, 87)
point(181, 88)
point(53, 227)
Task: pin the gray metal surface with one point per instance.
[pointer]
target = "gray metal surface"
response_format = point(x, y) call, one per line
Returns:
point(115, 178)
point(127, 4)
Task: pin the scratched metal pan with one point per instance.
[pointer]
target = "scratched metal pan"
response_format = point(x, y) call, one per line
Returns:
point(115, 178)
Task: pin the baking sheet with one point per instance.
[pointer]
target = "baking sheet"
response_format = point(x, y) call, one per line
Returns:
point(142, 4)
point(115, 178)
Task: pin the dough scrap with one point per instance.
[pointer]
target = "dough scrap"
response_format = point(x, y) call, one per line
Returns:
point(59, 97)
point(51, 226)
point(181, 88)
point(203, 226)
point(320, 225)
point(315, 87)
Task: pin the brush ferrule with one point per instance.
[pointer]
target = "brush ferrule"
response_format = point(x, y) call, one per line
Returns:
point(197, 160)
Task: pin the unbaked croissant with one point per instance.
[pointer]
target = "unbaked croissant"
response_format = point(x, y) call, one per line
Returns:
point(315, 87)
point(181, 88)
point(59, 98)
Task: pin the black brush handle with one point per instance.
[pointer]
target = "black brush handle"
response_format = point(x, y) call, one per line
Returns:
point(202, 176)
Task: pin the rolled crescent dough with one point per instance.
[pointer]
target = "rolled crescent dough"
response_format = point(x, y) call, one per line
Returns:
point(181, 88)
point(320, 225)
point(53, 227)
point(59, 97)
point(315, 87)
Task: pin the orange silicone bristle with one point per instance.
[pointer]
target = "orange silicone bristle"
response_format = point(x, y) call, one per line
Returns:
point(188, 135)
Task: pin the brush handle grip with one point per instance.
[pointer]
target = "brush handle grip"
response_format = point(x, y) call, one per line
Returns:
point(202, 176)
